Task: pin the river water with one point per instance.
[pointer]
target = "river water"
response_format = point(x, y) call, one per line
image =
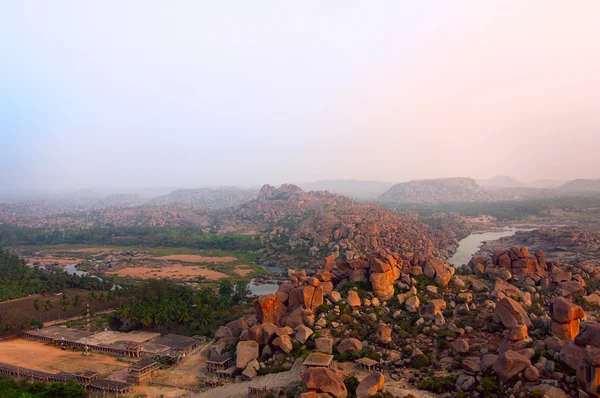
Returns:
point(470, 245)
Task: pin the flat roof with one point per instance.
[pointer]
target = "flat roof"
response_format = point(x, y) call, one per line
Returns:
point(367, 361)
point(61, 333)
point(318, 359)
point(144, 363)
point(176, 342)
point(153, 348)
point(102, 338)
point(138, 336)
point(220, 359)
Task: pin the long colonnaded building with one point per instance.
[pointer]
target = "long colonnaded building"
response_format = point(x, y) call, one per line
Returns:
point(136, 344)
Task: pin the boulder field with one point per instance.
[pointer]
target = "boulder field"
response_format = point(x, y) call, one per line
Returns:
point(512, 324)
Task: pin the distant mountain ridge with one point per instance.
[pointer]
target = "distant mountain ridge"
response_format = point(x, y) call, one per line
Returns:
point(439, 190)
point(501, 182)
point(581, 185)
point(214, 198)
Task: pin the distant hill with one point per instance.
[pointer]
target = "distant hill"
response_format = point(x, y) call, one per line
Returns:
point(546, 184)
point(501, 182)
point(441, 190)
point(581, 185)
point(214, 198)
point(361, 190)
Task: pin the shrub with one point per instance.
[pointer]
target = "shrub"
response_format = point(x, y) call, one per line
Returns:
point(420, 362)
point(438, 384)
point(351, 382)
point(489, 388)
point(345, 318)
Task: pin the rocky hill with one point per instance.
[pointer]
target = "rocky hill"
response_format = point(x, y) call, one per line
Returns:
point(319, 224)
point(570, 244)
point(387, 324)
point(581, 186)
point(439, 190)
point(361, 190)
point(213, 198)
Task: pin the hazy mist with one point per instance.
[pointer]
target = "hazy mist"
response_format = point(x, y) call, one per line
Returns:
point(191, 93)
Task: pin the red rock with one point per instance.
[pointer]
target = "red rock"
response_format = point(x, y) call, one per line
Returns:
point(512, 314)
point(349, 344)
point(324, 380)
point(246, 351)
point(564, 311)
point(565, 331)
point(370, 385)
point(510, 364)
point(269, 309)
point(590, 335)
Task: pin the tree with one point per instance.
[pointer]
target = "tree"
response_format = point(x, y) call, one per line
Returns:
point(64, 303)
point(36, 304)
point(76, 303)
point(48, 307)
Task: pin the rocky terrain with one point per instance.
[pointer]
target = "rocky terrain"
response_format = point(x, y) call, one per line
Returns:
point(569, 244)
point(514, 324)
point(320, 224)
point(212, 198)
point(360, 190)
point(439, 190)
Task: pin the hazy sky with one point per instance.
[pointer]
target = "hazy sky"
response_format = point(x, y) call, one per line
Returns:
point(188, 93)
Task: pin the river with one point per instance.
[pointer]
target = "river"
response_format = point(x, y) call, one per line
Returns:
point(470, 245)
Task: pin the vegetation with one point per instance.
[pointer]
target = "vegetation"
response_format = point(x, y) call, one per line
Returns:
point(17, 280)
point(164, 304)
point(504, 210)
point(351, 383)
point(438, 385)
point(128, 236)
point(10, 388)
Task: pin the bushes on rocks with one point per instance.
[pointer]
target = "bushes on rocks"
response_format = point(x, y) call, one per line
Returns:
point(438, 385)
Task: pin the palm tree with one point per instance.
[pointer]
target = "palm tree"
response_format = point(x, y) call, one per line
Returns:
point(36, 305)
point(91, 298)
point(64, 303)
point(76, 303)
point(48, 307)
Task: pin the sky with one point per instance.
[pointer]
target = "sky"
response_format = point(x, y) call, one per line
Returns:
point(193, 93)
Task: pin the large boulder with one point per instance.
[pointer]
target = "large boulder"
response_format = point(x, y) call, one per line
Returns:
point(437, 271)
point(269, 309)
point(353, 299)
point(324, 380)
point(510, 364)
point(349, 344)
point(294, 317)
point(302, 334)
point(237, 326)
point(383, 284)
point(370, 385)
point(284, 343)
point(511, 313)
point(589, 335)
point(572, 354)
point(564, 311)
point(246, 351)
point(383, 335)
point(324, 344)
